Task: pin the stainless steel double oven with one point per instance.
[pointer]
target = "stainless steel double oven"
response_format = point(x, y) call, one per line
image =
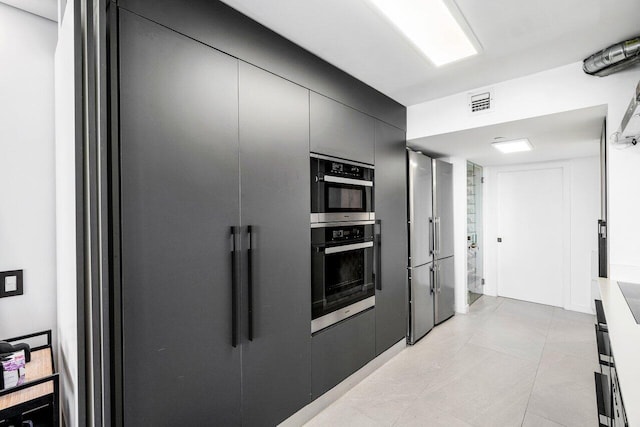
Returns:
point(344, 253)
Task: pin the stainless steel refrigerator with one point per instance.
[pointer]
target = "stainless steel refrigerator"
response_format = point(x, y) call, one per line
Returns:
point(431, 269)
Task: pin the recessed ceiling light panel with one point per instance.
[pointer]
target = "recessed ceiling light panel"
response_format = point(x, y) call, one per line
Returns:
point(435, 27)
point(513, 146)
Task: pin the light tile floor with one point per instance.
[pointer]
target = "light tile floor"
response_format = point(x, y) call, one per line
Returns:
point(505, 363)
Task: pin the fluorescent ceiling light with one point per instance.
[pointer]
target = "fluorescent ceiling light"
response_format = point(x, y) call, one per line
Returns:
point(513, 146)
point(432, 27)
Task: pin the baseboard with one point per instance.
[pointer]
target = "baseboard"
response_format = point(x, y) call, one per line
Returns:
point(314, 408)
point(463, 310)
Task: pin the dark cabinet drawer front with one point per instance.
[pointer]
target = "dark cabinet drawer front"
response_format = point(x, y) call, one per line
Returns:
point(340, 350)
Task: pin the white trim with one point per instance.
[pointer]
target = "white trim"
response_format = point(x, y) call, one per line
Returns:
point(322, 402)
point(463, 310)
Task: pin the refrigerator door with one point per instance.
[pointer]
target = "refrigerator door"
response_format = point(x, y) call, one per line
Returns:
point(420, 209)
point(444, 289)
point(443, 208)
point(421, 301)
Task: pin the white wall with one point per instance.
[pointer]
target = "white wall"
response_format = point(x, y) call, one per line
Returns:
point(66, 217)
point(460, 231)
point(27, 190)
point(560, 89)
point(581, 181)
point(585, 211)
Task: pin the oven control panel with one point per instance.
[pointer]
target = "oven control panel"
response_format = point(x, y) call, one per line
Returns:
point(342, 234)
point(351, 233)
point(346, 170)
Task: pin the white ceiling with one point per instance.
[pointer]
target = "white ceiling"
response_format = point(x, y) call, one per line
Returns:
point(519, 37)
point(558, 136)
point(45, 8)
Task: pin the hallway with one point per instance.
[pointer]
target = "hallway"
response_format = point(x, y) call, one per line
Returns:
point(505, 363)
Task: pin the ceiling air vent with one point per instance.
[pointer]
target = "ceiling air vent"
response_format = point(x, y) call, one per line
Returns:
point(480, 102)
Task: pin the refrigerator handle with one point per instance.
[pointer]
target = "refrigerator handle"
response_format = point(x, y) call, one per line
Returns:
point(437, 229)
point(432, 231)
point(433, 281)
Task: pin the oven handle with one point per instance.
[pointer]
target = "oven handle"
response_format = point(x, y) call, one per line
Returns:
point(234, 289)
point(346, 248)
point(377, 269)
point(351, 181)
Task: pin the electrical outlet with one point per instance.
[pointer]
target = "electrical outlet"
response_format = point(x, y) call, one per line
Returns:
point(10, 283)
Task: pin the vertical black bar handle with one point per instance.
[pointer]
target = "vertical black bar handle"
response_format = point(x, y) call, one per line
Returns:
point(378, 254)
point(234, 290)
point(250, 281)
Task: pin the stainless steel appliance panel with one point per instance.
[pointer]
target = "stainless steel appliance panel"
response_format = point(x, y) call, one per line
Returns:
point(342, 272)
point(420, 209)
point(444, 289)
point(421, 289)
point(341, 190)
point(443, 208)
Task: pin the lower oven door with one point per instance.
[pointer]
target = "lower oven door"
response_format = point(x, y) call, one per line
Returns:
point(342, 282)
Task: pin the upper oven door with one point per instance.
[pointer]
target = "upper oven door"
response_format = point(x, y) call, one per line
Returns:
point(340, 197)
point(341, 191)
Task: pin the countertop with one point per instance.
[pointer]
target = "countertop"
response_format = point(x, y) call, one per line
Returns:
point(624, 334)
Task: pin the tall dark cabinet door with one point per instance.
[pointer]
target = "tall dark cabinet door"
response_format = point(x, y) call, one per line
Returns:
point(391, 210)
point(274, 158)
point(179, 171)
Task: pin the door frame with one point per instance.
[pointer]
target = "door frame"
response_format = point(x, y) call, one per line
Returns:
point(565, 168)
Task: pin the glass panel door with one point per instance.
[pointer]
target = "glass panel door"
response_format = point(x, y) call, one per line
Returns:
point(474, 232)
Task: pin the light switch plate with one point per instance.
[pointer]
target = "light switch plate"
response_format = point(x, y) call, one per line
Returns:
point(10, 283)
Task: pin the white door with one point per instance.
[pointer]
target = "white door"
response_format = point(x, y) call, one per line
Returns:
point(530, 225)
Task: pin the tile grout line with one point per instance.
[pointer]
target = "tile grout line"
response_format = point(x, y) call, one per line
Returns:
point(535, 378)
point(395, 423)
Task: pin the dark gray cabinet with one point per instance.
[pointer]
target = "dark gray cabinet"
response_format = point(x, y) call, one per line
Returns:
point(342, 349)
point(216, 326)
point(274, 159)
point(391, 202)
point(340, 131)
point(202, 135)
point(179, 198)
